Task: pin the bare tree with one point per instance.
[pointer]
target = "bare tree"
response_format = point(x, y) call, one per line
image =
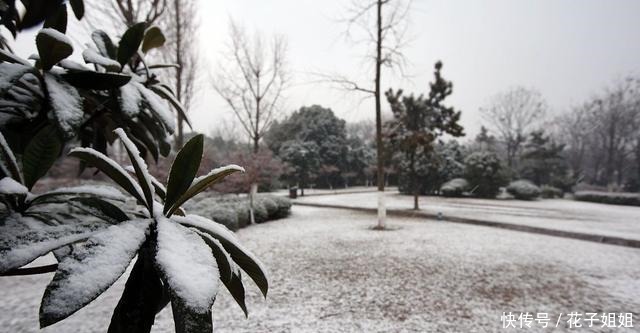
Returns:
point(252, 79)
point(180, 24)
point(512, 115)
point(125, 13)
point(383, 23)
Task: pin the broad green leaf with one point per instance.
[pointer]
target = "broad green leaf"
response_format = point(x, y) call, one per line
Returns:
point(37, 11)
point(104, 44)
point(6, 56)
point(201, 183)
point(109, 168)
point(244, 258)
point(143, 297)
point(20, 245)
point(53, 46)
point(140, 167)
point(153, 38)
point(78, 8)
point(90, 269)
point(236, 289)
point(95, 80)
point(130, 42)
point(40, 154)
point(102, 209)
point(223, 259)
point(183, 170)
point(8, 162)
point(57, 20)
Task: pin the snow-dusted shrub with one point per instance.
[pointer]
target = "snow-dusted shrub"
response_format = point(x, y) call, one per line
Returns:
point(284, 206)
point(613, 198)
point(550, 192)
point(523, 189)
point(455, 187)
point(269, 204)
point(485, 174)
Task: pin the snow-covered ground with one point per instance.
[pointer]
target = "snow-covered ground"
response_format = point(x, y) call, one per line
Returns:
point(331, 273)
point(561, 214)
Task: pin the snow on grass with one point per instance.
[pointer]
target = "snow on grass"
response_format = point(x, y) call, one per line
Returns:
point(9, 186)
point(90, 56)
point(92, 267)
point(188, 266)
point(66, 104)
point(20, 242)
point(130, 99)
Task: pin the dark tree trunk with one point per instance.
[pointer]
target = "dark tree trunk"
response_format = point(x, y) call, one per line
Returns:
point(179, 135)
point(379, 143)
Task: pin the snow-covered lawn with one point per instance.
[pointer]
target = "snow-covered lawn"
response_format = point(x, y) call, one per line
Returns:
point(562, 214)
point(330, 273)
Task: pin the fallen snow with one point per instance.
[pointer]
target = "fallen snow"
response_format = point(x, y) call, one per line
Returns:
point(66, 104)
point(92, 267)
point(331, 273)
point(188, 265)
point(9, 186)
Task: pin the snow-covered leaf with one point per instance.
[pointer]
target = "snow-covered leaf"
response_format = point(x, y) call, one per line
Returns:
point(40, 154)
point(225, 263)
point(187, 266)
point(10, 74)
point(130, 100)
point(104, 44)
point(241, 256)
point(92, 57)
point(8, 186)
point(101, 209)
point(91, 268)
point(201, 183)
point(140, 167)
point(21, 244)
point(8, 163)
point(158, 108)
point(53, 46)
point(110, 168)
point(169, 96)
point(12, 58)
point(66, 103)
point(104, 192)
point(183, 170)
point(236, 289)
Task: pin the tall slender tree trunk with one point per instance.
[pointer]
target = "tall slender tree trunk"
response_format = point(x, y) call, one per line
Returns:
point(179, 135)
point(414, 182)
point(382, 213)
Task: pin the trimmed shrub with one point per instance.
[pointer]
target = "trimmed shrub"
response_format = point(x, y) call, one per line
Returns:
point(612, 198)
point(284, 207)
point(454, 188)
point(225, 215)
point(485, 174)
point(523, 190)
point(269, 204)
point(233, 211)
point(550, 192)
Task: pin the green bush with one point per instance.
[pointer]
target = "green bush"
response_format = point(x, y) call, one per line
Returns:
point(523, 189)
point(550, 192)
point(485, 174)
point(269, 204)
point(233, 211)
point(284, 207)
point(617, 198)
point(455, 187)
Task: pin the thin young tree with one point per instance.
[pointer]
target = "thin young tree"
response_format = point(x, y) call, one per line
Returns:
point(383, 23)
point(252, 79)
point(418, 122)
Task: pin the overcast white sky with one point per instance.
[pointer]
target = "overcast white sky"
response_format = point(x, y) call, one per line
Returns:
point(567, 49)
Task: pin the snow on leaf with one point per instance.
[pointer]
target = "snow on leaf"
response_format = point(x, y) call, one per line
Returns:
point(104, 192)
point(11, 73)
point(130, 100)
point(10, 186)
point(139, 166)
point(244, 258)
point(92, 57)
point(188, 266)
point(91, 268)
point(219, 171)
point(158, 107)
point(66, 104)
point(20, 244)
point(8, 163)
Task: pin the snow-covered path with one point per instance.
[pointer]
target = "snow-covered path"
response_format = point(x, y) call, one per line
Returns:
point(330, 273)
point(559, 214)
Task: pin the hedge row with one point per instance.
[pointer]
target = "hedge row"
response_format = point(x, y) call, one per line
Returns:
point(233, 211)
point(613, 198)
point(523, 189)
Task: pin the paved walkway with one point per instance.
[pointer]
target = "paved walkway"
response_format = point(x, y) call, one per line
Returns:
point(560, 217)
